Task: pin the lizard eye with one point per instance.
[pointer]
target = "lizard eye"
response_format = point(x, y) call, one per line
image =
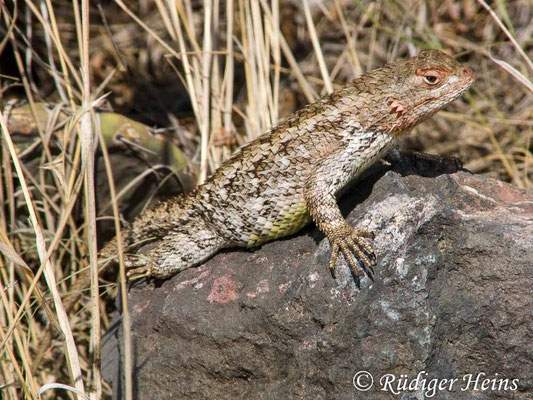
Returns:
point(430, 79)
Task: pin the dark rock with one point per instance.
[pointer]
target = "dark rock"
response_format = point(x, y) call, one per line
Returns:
point(451, 296)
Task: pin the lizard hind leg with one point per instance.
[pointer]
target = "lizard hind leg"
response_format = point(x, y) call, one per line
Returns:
point(177, 251)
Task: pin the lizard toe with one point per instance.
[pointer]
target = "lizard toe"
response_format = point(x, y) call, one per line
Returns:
point(363, 243)
point(356, 249)
point(333, 259)
point(363, 232)
point(348, 255)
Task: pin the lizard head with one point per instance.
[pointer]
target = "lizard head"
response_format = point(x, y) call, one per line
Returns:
point(421, 86)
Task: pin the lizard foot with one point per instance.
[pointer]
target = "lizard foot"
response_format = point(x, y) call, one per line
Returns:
point(349, 240)
point(138, 266)
point(426, 164)
point(449, 163)
point(138, 273)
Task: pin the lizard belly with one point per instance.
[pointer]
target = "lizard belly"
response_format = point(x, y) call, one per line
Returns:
point(291, 218)
point(258, 212)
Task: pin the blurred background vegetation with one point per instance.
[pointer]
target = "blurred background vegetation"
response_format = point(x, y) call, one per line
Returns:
point(172, 88)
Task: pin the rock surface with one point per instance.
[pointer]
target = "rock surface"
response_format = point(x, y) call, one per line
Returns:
point(450, 299)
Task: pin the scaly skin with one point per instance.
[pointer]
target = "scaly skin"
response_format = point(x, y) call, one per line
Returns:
point(276, 184)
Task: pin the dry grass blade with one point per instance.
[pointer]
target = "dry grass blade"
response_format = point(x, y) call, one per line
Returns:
point(508, 34)
point(53, 386)
point(70, 343)
point(88, 165)
point(12, 255)
point(229, 71)
point(126, 320)
point(316, 46)
point(206, 89)
point(350, 44)
point(514, 72)
point(28, 385)
point(308, 91)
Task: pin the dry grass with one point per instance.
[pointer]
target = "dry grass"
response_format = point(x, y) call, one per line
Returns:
point(218, 74)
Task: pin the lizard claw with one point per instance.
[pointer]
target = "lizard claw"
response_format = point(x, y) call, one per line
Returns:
point(350, 240)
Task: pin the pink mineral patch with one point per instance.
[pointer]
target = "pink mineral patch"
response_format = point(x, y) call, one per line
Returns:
point(496, 190)
point(138, 308)
point(307, 344)
point(262, 287)
point(223, 290)
point(193, 281)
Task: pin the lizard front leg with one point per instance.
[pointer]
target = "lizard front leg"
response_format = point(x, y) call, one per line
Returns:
point(342, 237)
point(326, 179)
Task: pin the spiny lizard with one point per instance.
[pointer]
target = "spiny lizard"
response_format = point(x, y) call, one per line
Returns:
point(292, 175)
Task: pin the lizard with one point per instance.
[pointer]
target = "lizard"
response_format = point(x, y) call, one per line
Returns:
point(293, 174)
